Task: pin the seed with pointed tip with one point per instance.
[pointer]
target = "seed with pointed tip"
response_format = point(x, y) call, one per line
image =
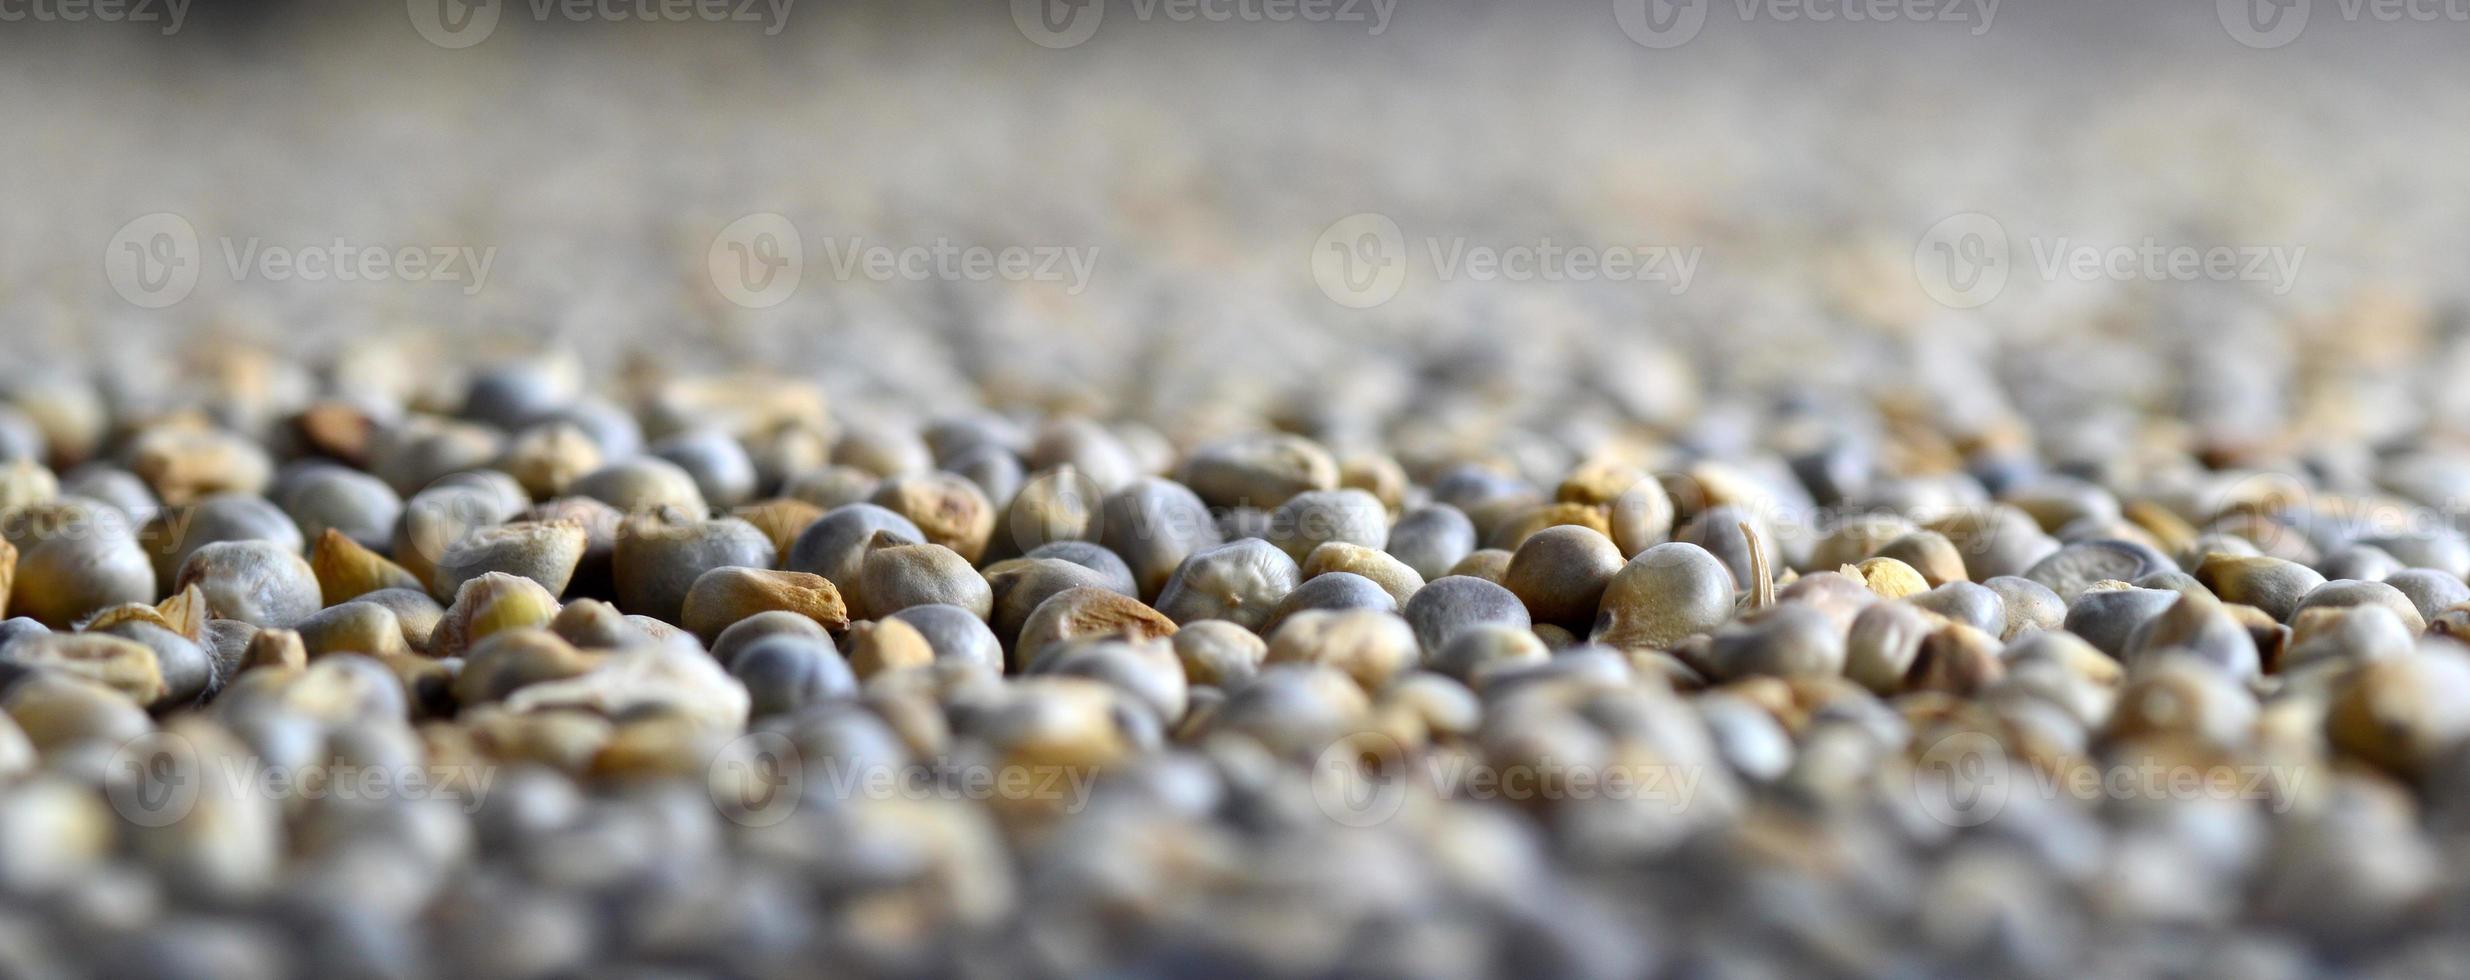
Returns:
point(346, 570)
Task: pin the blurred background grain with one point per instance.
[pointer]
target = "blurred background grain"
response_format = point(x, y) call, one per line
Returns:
point(1194, 163)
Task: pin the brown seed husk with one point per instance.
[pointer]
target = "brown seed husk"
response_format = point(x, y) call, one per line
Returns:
point(724, 595)
point(952, 511)
point(347, 570)
point(493, 603)
point(1515, 530)
point(1929, 553)
point(1890, 578)
point(123, 665)
point(781, 519)
point(1088, 611)
point(1392, 575)
point(280, 649)
point(8, 574)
